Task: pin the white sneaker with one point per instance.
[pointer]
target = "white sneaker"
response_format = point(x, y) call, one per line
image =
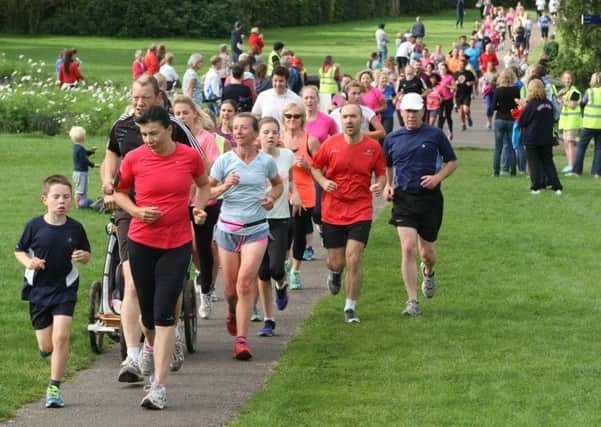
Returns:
point(205, 309)
point(428, 283)
point(130, 371)
point(146, 362)
point(214, 297)
point(156, 397)
point(177, 358)
point(558, 192)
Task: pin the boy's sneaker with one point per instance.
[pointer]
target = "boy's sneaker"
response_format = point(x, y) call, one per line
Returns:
point(350, 316)
point(256, 316)
point(146, 362)
point(287, 266)
point(230, 324)
point(308, 254)
point(205, 309)
point(428, 283)
point(268, 328)
point(281, 297)
point(334, 282)
point(54, 398)
point(241, 349)
point(130, 371)
point(295, 280)
point(177, 358)
point(412, 309)
point(156, 398)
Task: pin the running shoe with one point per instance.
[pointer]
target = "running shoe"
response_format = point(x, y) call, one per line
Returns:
point(45, 354)
point(241, 349)
point(428, 283)
point(177, 358)
point(256, 316)
point(230, 324)
point(567, 169)
point(308, 254)
point(412, 309)
point(463, 127)
point(205, 309)
point(281, 297)
point(534, 191)
point(470, 123)
point(350, 316)
point(296, 282)
point(268, 328)
point(334, 282)
point(156, 397)
point(130, 371)
point(146, 362)
point(54, 398)
point(287, 265)
point(558, 192)
point(214, 297)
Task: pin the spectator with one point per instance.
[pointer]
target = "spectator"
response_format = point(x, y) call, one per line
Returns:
point(419, 29)
point(238, 91)
point(192, 85)
point(381, 43)
point(169, 72)
point(255, 41)
point(151, 61)
point(237, 41)
point(137, 67)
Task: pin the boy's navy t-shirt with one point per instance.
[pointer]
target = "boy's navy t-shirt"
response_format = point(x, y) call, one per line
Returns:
point(415, 153)
point(58, 282)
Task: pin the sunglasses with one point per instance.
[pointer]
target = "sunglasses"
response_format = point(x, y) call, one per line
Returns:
point(292, 116)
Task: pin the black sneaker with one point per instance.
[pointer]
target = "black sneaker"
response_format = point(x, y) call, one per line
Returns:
point(463, 127)
point(281, 297)
point(334, 282)
point(470, 123)
point(350, 316)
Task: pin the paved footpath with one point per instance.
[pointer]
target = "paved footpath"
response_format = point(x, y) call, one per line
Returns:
point(211, 388)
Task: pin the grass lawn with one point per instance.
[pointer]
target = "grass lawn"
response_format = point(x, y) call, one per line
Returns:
point(350, 43)
point(508, 339)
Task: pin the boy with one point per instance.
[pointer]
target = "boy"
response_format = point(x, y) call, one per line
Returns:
point(80, 166)
point(48, 247)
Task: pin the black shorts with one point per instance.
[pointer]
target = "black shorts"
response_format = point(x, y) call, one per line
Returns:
point(42, 315)
point(122, 220)
point(463, 100)
point(336, 236)
point(420, 211)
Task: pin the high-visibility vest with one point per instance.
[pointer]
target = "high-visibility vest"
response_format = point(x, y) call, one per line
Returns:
point(591, 119)
point(571, 118)
point(270, 62)
point(327, 84)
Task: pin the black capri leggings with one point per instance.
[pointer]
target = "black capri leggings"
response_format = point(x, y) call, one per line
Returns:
point(272, 266)
point(300, 226)
point(203, 237)
point(159, 277)
point(446, 113)
point(317, 209)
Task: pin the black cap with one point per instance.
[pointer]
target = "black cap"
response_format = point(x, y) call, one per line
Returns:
point(237, 24)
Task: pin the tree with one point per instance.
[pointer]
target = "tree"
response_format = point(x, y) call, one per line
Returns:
point(580, 45)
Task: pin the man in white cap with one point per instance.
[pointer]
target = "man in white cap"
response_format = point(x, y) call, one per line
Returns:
point(412, 160)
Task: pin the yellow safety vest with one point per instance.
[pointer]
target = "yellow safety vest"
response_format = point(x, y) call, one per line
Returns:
point(270, 62)
point(571, 118)
point(591, 119)
point(327, 84)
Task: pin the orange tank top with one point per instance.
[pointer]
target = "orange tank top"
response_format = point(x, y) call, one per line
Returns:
point(303, 180)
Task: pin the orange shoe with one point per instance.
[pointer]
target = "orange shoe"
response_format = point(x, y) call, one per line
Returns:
point(241, 349)
point(230, 324)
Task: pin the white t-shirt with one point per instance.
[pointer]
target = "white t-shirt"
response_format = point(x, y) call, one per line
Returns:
point(270, 104)
point(368, 114)
point(285, 161)
point(540, 4)
point(553, 6)
point(169, 72)
point(405, 50)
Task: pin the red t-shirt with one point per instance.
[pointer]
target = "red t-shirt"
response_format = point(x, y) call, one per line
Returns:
point(350, 166)
point(163, 182)
point(71, 75)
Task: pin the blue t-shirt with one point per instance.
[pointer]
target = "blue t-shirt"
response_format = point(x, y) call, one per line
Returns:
point(196, 89)
point(58, 282)
point(242, 202)
point(415, 153)
point(389, 94)
point(473, 54)
point(544, 21)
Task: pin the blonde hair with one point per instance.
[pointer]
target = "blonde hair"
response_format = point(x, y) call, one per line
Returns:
point(595, 80)
point(507, 78)
point(301, 110)
point(310, 87)
point(77, 134)
point(202, 119)
point(536, 90)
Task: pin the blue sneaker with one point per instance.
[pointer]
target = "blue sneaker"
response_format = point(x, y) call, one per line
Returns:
point(281, 297)
point(54, 399)
point(295, 280)
point(287, 265)
point(268, 328)
point(308, 254)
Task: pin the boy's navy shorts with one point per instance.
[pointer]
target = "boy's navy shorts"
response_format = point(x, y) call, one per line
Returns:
point(42, 315)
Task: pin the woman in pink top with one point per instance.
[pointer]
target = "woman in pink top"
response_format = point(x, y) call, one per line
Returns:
point(371, 96)
point(446, 87)
point(186, 110)
point(137, 67)
point(434, 100)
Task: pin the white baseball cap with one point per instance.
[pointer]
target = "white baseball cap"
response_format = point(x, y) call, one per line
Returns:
point(412, 101)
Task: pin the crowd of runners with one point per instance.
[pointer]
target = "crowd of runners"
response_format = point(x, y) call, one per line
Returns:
point(244, 169)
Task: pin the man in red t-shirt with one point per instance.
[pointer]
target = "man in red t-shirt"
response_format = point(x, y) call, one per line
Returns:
point(343, 167)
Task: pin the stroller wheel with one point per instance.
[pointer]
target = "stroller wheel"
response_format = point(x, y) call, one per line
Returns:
point(96, 338)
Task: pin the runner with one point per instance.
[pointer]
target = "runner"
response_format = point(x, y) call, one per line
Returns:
point(242, 230)
point(464, 83)
point(159, 238)
point(412, 155)
point(271, 102)
point(343, 167)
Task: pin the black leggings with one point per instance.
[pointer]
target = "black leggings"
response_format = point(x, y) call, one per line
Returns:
point(446, 112)
point(272, 266)
point(300, 226)
point(316, 215)
point(203, 236)
point(159, 276)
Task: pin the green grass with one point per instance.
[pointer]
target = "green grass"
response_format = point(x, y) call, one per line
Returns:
point(25, 161)
point(509, 338)
point(350, 43)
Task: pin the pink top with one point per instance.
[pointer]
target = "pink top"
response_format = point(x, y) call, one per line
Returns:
point(208, 145)
point(322, 127)
point(137, 69)
point(443, 89)
point(164, 182)
point(372, 98)
point(510, 18)
point(433, 100)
